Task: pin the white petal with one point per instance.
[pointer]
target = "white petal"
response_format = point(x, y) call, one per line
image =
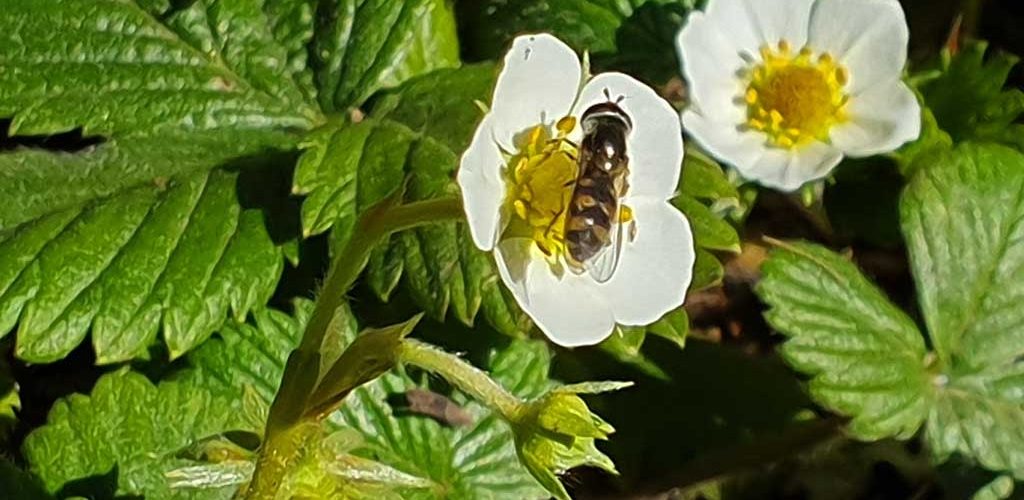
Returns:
point(755, 160)
point(482, 186)
point(538, 84)
point(724, 140)
point(655, 145)
point(788, 170)
point(869, 37)
point(753, 23)
point(568, 309)
point(655, 269)
point(711, 63)
point(881, 120)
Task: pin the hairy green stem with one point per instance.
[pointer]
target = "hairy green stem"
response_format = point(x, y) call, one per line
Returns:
point(466, 377)
point(302, 370)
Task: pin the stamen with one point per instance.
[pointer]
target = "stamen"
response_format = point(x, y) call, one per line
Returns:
point(795, 98)
point(540, 187)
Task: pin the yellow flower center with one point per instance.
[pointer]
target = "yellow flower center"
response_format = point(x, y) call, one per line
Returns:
point(795, 98)
point(541, 178)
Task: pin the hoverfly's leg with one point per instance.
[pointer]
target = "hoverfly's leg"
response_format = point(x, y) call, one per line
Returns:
point(551, 225)
point(565, 126)
point(626, 218)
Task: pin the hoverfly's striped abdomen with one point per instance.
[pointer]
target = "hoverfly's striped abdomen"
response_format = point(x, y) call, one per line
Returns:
point(593, 211)
point(590, 215)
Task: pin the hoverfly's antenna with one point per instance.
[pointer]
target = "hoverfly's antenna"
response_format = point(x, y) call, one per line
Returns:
point(617, 100)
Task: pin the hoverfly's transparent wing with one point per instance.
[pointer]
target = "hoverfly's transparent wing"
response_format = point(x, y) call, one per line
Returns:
point(602, 265)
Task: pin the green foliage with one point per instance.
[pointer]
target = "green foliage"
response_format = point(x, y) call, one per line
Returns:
point(135, 431)
point(710, 231)
point(708, 197)
point(140, 430)
point(629, 35)
point(411, 140)
point(135, 234)
point(960, 217)
point(369, 356)
point(63, 73)
point(362, 46)
point(968, 98)
point(865, 355)
point(145, 166)
point(179, 255)
point(999, 489)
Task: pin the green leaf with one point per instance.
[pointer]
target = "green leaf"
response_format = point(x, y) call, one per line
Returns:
point(674, 327)
point(999, 489)
point(646, 39)
point(631, 35)
point(624, 346)
point(113, 68)
point(331, 472)
point(362, 46)
point(416, 132)
point(703, 178)
point(134, 431)
point(968, 99)
point(865, 356)
point(135, 235)
point(626, 342)
point(176, 256)
point(932, 138)
point(369, 356)
point(710, 231)
point(707, 271)
point(38, 183)
point(962, 220)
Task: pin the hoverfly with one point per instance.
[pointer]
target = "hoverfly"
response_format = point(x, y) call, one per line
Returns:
point(593, 232)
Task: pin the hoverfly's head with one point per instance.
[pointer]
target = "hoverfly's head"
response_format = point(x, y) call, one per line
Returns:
point(605, 114)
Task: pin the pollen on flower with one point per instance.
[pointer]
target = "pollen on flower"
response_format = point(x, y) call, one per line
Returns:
point(541, 179)
point(795, 97)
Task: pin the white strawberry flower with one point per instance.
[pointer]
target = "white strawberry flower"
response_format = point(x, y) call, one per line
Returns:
point(517, 178)
point(783, 89)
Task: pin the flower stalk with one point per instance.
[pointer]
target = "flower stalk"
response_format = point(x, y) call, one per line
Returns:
point(466, 377)
point(281, 446)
